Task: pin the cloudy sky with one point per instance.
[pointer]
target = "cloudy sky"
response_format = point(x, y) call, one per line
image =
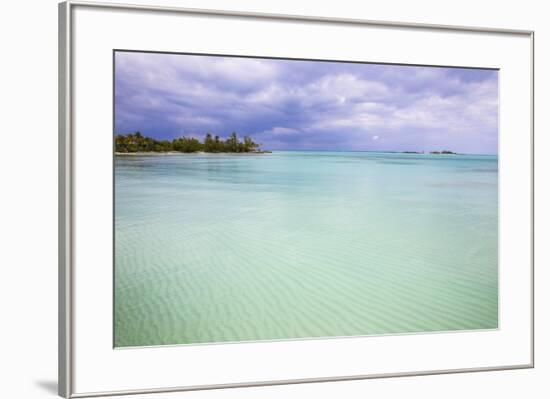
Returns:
point(308, 105)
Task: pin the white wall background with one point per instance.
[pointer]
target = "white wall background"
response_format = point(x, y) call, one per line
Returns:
point(28, 199)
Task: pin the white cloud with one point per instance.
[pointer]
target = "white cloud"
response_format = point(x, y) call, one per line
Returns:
point(280, 131)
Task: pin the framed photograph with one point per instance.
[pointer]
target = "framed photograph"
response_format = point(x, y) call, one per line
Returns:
point(255, 199)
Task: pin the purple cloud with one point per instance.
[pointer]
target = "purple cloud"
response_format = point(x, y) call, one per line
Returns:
point(308, 105)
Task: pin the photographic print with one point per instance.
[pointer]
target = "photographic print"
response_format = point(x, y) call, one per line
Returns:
point(272, 199)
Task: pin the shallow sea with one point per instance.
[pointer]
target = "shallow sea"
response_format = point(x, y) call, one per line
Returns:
point(289, 245)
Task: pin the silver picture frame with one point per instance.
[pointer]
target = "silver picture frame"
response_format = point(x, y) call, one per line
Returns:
point(66, 188)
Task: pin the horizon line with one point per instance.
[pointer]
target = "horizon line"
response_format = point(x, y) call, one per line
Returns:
point(383, 151)
point(418, 152)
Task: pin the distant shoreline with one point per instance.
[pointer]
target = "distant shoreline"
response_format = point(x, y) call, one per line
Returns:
point(141, 153)
point(137, 144)
point(152, 153)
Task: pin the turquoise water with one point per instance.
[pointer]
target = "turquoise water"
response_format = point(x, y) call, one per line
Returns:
point(218, 248)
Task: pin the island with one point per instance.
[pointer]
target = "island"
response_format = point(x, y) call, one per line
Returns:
point(133, 143)
point(444, 152)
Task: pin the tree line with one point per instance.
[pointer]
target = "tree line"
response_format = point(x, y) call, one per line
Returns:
point(136, 142)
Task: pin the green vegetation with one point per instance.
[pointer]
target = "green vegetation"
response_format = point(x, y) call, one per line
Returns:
point(136, 142)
